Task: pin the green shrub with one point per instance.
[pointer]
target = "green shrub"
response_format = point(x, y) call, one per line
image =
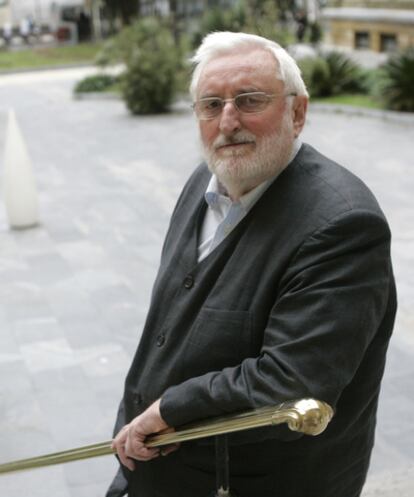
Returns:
point(332, 73)
point(315, 72)
point(152, 63)
point(95, 83)
point(396, 88)
point(147, 86)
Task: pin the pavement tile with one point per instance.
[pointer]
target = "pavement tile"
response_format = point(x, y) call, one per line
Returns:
point(15, 377)
point(386, 457)
point(27, 309)
point(32, 242)
point(81, 485)
point(8, 345)
point(44, 381)
point(22, 425)
point(86, 333)
point(45, 482)
point(83, 253)
point(47, 268)
point(399, 483)
point(36, 329)
point(92, 471)
point(71, 416)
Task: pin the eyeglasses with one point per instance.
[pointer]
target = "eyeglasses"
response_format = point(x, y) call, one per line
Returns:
point(246, 103)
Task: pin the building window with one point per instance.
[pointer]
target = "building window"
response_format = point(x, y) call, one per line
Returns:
point(388, 42)
point(362, 40)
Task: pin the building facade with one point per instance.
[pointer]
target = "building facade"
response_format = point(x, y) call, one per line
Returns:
point(4, 12)
point(377, 25)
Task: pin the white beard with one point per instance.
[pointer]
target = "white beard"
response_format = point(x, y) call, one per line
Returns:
point(239, 172)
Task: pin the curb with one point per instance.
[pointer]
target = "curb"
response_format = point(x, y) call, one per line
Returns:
point(404, 118)
point(23, 70)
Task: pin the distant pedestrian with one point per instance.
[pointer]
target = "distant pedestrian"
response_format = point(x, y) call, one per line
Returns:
point(7, 33)
point(301, 25)
point(25, 30)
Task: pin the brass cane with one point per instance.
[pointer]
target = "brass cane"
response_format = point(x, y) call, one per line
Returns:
point(307, 416)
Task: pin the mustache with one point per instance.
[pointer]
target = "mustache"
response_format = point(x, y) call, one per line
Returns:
point(240, 137)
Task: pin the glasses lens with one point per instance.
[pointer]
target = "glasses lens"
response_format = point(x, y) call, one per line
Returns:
point(251, 102)
point(209, 107)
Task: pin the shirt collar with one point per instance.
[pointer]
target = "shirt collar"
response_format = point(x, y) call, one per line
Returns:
point(215, 193)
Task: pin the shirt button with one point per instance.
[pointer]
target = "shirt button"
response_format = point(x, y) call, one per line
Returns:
point(188, 281)
point(160, 340)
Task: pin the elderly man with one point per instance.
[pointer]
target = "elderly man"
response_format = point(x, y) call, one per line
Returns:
point(275, 283)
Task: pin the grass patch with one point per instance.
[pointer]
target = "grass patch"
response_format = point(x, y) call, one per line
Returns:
point(365, 101)
point(33, 58)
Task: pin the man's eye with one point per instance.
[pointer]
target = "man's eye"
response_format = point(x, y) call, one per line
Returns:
point(250, 100)
point(212, 104)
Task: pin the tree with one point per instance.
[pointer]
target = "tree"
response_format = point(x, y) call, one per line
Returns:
point(258, 7)
point(127, 10)
point(173, 16)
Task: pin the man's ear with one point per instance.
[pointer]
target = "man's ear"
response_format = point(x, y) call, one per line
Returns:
point(299, 108)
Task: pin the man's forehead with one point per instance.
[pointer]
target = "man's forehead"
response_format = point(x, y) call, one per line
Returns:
point(256, 65)
point(256, 58)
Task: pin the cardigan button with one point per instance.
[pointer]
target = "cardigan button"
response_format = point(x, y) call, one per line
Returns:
point(189, 281)
point(160, 340)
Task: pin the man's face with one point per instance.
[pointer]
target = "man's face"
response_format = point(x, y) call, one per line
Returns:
point(245, 149)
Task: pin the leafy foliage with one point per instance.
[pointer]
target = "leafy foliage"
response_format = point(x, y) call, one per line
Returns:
point(152, 60)
point(95, 83)
point(332, 73)
point(398, 82)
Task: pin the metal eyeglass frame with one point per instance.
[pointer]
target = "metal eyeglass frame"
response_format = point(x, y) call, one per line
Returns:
point(223, 101)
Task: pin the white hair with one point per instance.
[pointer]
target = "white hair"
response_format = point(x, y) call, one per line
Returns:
point(226, 42)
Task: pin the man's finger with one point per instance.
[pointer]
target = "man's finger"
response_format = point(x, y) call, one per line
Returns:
point(125, 460)
point(142, 453)
point(118, 444)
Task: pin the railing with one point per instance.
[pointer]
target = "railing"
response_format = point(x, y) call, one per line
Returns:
point(307, 416)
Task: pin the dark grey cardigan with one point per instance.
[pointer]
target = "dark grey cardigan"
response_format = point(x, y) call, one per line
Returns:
point(298, 301)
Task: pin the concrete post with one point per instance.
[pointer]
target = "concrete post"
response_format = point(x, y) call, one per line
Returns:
point(19, 187)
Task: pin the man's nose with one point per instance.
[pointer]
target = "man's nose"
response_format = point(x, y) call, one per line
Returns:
point(229, 119)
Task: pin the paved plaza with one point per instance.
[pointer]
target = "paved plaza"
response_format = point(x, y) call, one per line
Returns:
point(74, 290)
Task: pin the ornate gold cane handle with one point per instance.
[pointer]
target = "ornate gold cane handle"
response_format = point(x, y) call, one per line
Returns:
point(307, 416)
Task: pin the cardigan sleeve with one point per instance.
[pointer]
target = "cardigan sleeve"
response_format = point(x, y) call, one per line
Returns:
point(330, 305)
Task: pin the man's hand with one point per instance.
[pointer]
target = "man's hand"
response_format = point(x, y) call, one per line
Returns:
point(129, 443)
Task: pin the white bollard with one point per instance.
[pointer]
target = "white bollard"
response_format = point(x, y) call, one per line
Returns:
point(19, 190)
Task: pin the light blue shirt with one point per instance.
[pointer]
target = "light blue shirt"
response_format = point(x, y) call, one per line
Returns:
point(223, 215)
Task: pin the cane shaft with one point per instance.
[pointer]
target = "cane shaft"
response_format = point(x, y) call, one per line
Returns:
point(306, 416)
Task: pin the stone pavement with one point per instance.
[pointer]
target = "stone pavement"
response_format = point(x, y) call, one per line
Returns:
point(74, 291)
